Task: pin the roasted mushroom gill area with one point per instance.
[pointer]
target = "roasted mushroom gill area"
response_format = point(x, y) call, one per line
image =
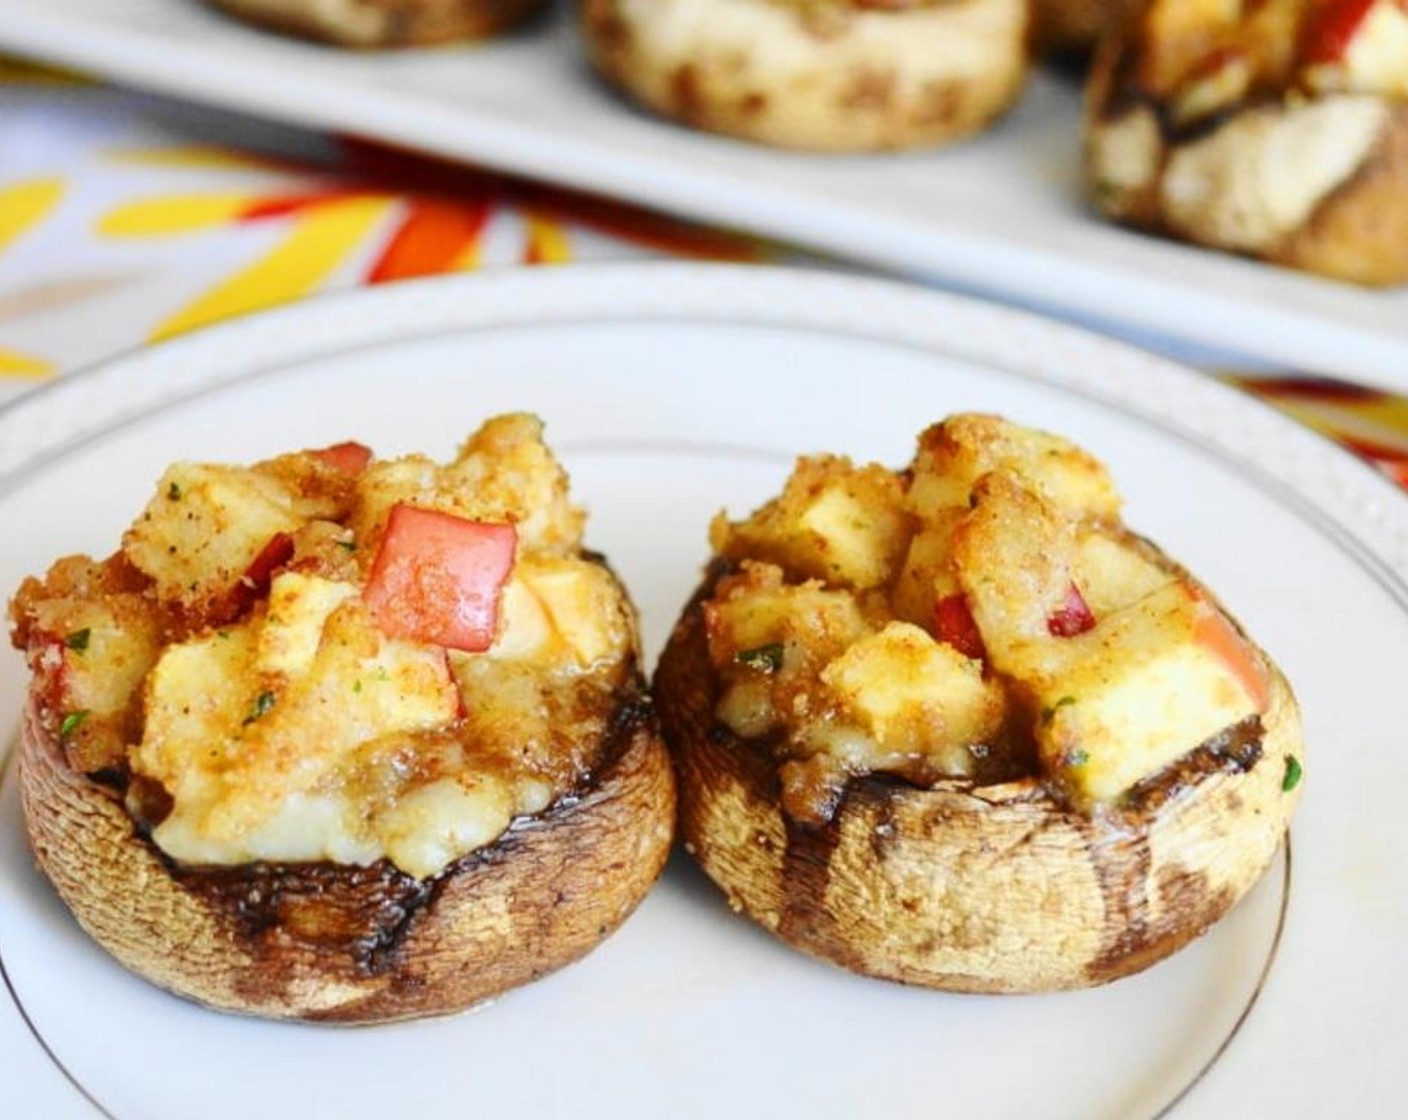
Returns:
point(983, 618)
point(327, 657)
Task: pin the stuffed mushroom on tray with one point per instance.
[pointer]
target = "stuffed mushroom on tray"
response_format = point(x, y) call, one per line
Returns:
point(1277, 129)
point(823, 75)
point(958, 726)
point(342, 738)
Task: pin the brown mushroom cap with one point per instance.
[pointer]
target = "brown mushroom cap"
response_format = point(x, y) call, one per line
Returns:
point(997, 889)
point(350, 944)
point(383, 23)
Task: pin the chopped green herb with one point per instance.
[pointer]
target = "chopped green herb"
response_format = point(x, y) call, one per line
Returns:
point(173, 493)
point(262, 703)
point(357, 686)
point(766, 659)
point(222, 633)
point(78, 640)
point(1107, 191)
point(1077, 757)
point(350, 546)
point(71, 722)
point(1293, 774)
point(1048, 714)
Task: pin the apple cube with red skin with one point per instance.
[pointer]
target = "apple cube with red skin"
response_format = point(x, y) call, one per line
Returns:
point(349, 457)
point(1113, 573)
point(1016, 558)
point(954, 455)
point(1330, 27)
point(1072, 617)
point(926, 574)
point(954, 626)
point(299, 606)
point(205, 527)
point(1142, 688)
point(913, 695)
point(1354, 47)
point(834, 521)
point(438, 578)
point(237, 745)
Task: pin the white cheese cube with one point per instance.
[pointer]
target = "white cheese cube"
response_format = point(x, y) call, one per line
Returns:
point(913, 694)
point(299, 605)
point(205, 526)
point(1146, 686)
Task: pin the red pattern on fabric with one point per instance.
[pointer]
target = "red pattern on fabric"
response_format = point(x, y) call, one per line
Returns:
point(433, 236)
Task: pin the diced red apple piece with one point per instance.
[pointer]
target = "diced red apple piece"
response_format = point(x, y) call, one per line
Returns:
point(1214, 631)
point(1331, 27)
point(438, 578)
point(349, 458)
point(954, 625)
point(1072, 617)
point(203, 532)
point(1149, 683)
point(1015, 557)
point(911, 694)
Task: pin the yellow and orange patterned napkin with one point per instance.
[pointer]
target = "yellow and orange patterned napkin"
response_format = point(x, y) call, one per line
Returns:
point(125, 220)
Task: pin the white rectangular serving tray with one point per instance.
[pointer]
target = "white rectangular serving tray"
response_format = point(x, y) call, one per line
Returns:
point(1000, 215)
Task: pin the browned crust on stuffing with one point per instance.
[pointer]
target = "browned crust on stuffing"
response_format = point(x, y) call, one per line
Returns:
point(980, 890)
point(1075, 26)
point(354, 945)
point(384, 23)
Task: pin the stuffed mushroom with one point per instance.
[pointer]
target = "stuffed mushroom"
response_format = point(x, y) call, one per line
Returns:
point(958, 726)
point(341, 738)
point(826, 75)
point(1276, 129)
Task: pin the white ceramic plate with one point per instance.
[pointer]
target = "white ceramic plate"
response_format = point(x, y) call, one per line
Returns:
point(1001, 215)
point(670, 391)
